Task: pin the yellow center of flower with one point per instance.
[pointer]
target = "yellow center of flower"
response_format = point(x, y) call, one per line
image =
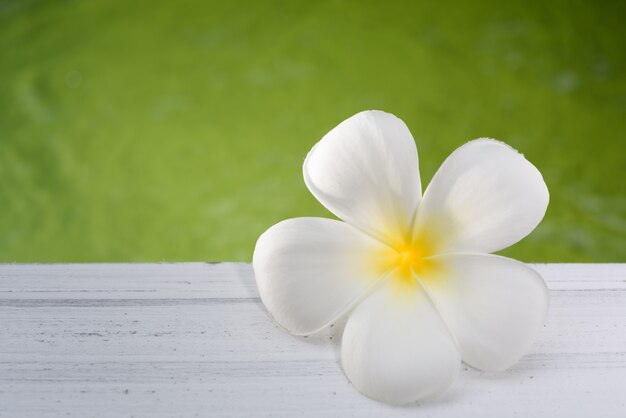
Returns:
point(406, 258)
point(413, 259)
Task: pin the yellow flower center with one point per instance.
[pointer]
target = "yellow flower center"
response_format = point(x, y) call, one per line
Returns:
point(413, 258)
point(407, 258)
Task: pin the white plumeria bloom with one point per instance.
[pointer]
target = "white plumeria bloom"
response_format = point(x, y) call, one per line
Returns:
point(413, 271)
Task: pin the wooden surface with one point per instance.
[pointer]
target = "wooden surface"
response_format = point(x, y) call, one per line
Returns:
point(194, 340)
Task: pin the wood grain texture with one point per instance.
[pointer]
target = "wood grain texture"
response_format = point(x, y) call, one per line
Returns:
point(193, 339)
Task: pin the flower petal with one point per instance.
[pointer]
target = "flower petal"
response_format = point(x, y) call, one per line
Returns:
point(396, 348)
point(486, 195)
point(309, 271)
point(493, 305)
point(365, 171)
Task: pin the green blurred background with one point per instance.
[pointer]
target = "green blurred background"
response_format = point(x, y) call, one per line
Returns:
point(160, 130)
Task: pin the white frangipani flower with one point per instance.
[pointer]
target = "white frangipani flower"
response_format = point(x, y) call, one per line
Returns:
point(413, 271)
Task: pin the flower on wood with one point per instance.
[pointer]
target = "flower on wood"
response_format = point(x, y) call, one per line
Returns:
point(412, 270)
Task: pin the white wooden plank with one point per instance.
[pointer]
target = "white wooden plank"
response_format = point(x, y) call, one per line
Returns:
point(193, 339)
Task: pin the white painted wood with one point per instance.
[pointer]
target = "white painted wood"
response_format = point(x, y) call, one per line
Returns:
point(194, 340)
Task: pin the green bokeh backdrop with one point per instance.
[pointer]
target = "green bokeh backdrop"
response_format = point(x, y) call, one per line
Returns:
point(160, 130)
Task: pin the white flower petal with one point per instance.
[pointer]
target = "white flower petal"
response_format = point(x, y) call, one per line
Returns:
point(366, 172)
point(396, 348)
point(309, 271)
point(486, 196)
point(493, 305)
